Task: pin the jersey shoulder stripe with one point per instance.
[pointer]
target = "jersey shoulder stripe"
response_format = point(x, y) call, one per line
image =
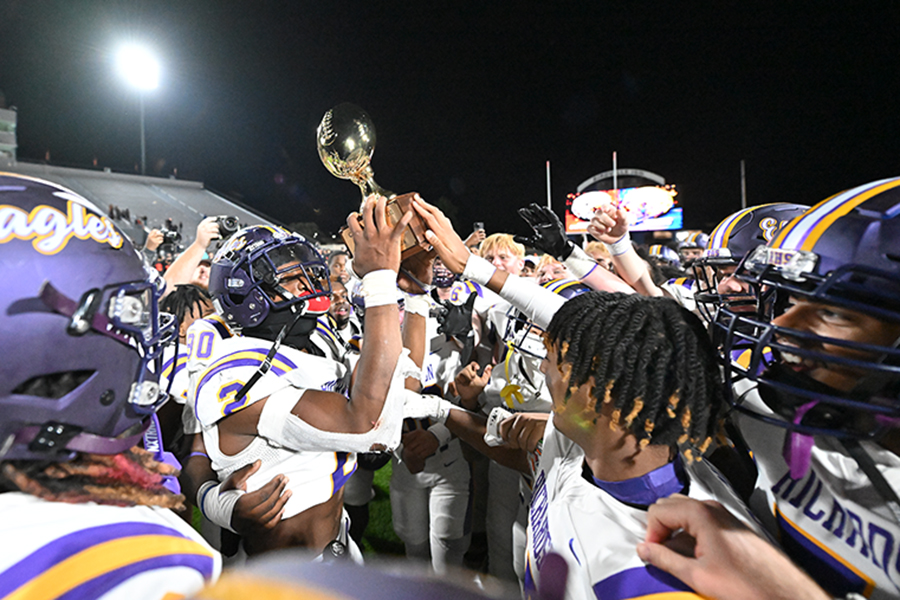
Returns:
point(247, 357)
point(92, 561)
point(643, 582)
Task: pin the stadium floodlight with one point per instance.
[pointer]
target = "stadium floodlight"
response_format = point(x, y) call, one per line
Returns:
point(141, 70)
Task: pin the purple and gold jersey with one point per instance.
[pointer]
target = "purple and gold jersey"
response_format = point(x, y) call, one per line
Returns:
point(681, 290)
point(60, 550)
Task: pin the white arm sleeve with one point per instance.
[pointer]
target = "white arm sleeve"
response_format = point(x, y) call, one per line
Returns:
point(537, 303)
point(579, 263)
point(279, 424)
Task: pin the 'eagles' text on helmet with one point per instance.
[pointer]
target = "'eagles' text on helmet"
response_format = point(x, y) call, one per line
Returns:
point(80, 331)
point(246, 275)
point(842, 253)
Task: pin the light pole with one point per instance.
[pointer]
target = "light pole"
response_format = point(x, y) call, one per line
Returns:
point(140, 69)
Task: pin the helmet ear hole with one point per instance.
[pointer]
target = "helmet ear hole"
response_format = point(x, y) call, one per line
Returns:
point(235, 299)
point(53, 386)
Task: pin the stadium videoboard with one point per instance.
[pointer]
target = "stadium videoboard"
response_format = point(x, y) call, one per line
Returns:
point(649, 208)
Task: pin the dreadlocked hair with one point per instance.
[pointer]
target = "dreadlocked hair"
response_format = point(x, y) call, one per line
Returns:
point(184, 299)
point(129, 478)
point(650, 358)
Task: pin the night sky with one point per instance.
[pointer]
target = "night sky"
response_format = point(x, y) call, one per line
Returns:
point(470, 99)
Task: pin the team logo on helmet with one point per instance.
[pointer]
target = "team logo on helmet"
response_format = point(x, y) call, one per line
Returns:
point(50, 229)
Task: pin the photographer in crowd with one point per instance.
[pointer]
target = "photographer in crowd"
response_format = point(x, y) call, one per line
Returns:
point(192, 265)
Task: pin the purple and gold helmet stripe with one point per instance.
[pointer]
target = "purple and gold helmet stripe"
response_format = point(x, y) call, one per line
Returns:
point(804, 231)
point(722, 233)
point(558, 285)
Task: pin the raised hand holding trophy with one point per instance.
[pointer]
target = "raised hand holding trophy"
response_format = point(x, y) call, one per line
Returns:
point(346, 142)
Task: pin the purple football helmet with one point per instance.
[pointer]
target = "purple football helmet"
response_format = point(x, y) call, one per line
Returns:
point(248, 269)
point(80, 331)
point(697, 239)
point(729, 242)
point(664, 255)
point(692, 247)
point(843, 252)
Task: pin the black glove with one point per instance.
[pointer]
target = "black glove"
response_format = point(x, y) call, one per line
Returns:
point(456, 319)
point(372, 461)
point(549, 232)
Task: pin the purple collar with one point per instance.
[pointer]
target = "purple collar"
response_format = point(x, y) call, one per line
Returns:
point(645, 490)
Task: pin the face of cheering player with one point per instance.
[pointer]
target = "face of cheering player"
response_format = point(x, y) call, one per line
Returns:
point(728, 284)
point(839, 323)
point(200, 278)
point(340, 304)
point(294, 281)
point(199, 310)
point(551, 272)
point(736, 291)
point(689, 254)
point(338, 268)
point(505, 260)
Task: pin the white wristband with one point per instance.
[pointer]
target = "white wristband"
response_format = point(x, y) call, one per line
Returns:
point(379, 288)
point(420, 406)
point(417, 304)
point(216, 505)
point(620, 246)
point(579, 263)
point(440, 431)
point(492, 428)
point(478, 270)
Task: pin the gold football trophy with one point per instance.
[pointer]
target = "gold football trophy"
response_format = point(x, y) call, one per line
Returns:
point(346, 142)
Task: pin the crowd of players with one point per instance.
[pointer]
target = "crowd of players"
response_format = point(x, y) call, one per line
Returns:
point(607, 425)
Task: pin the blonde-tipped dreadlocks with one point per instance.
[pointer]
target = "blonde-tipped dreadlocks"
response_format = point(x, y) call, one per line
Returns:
point(130, 478)
point(650, 358)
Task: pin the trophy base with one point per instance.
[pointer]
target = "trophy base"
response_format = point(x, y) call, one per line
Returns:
point(413, 240)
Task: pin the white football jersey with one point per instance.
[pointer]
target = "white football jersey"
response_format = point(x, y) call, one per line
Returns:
point(682, 290)
point(175, 370)
point(595, 533)
point(56, 549)
point(831, 521)
point(221, 363)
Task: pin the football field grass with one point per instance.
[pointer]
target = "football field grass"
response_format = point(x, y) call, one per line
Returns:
point(380, 537)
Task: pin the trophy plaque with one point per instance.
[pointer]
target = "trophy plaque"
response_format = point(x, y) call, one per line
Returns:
point(346, 142)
